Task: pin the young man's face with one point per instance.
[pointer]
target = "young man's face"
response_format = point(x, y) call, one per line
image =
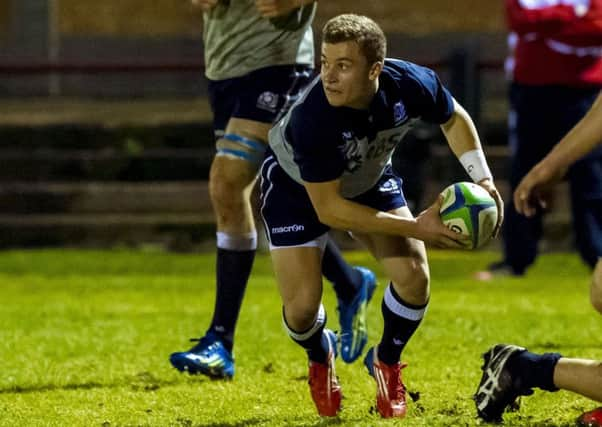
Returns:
point(347, 77)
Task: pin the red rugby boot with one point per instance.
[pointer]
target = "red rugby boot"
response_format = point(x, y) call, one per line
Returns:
point(591, 418)
point(323, 382)
point(390, 391)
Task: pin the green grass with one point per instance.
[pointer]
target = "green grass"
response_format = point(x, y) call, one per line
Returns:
point(85, 337)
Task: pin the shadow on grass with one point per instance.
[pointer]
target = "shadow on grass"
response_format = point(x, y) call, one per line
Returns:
point(249, 422)
point(143, 381)
point(334, 421)
point(543, 346)
point(321, 422)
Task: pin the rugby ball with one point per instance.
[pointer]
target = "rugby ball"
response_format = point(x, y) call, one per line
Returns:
point(470, 210)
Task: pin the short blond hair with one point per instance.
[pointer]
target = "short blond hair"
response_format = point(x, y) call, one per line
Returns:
point(360, 29)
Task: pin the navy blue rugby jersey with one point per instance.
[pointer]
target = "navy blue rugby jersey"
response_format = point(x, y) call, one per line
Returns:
point(316, 142)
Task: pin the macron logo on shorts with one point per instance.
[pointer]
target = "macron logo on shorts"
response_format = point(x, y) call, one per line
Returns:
point(288, 229)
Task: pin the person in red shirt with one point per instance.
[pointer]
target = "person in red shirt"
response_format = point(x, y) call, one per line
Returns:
point(556, 71)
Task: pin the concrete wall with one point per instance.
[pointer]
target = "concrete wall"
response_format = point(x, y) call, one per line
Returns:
point(4, 20)
point(127, 18)
point(168, 17)
point(167, 31)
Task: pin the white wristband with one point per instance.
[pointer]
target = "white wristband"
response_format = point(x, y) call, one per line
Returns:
point(475, 165)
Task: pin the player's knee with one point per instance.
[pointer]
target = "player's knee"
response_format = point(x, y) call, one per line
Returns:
point(227, 192)
point(299, 318)
point(222, 189)
point(413, 280)
point(416, 273)
point(224, 181)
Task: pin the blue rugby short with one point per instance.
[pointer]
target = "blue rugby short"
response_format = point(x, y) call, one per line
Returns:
point(290, 218)
point(262, 95)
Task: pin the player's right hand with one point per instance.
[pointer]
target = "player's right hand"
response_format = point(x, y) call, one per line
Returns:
point(432, 231)
point(205, 5)
point(488, 185)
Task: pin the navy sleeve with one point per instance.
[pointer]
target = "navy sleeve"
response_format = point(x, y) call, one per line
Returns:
point(316, 145)
point(425, 95)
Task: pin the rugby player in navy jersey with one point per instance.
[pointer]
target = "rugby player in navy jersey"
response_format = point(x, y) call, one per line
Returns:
point(258, 56)
point(329, 166)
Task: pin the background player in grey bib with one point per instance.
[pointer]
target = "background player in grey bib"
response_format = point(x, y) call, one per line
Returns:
point(239, 38)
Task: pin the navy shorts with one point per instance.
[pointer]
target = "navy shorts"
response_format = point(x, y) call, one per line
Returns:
point(289, 216)
point(261, 95)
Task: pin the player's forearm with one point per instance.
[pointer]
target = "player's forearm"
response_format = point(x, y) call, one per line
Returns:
point(463, 139)
point(460, 132)
point(347, 215)
point(582, 139)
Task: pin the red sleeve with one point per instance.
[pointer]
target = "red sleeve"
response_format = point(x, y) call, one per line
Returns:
point(560, 20)
point(544, 20)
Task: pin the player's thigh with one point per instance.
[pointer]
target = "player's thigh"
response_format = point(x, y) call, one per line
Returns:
point(404, 259)
point(254, 130)
point(239, 154)
point(298, 272)
point(288, 215)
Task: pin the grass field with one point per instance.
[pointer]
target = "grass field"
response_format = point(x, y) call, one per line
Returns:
point(85, 337)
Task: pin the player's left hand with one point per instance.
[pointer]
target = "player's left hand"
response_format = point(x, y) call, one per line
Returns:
point(274, 8)
point(488, 185)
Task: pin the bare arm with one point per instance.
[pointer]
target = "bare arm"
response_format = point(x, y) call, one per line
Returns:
point(274, 8)
point(462, 137)
point(583, 138)
point(460, 132)
point(338, 212)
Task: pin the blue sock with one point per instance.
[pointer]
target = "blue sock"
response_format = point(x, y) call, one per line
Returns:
point(345, 279)
point(313, 340)
point(400, 322)
point(235, 255)
point(535, 370)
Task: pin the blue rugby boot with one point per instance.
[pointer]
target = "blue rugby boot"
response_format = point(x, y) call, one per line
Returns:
point(209, 357)
point(352, 316)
